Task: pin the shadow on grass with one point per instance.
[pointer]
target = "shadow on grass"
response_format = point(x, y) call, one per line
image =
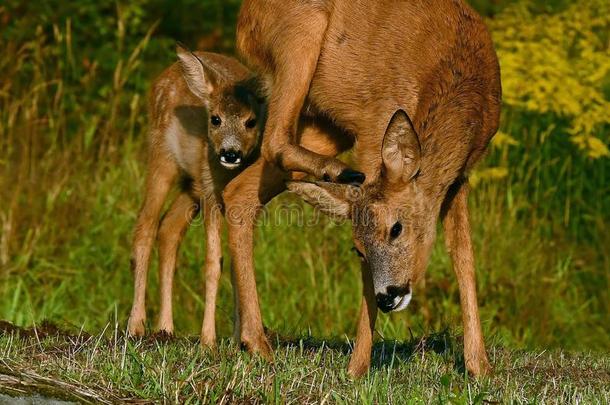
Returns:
point(387, 353)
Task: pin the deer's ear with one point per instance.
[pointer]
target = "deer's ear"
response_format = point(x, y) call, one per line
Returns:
point(401, 151)
point(199, 75)
point(332, 199)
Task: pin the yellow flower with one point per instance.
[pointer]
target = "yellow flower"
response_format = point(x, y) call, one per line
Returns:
point(558, 64)
point(502, 139)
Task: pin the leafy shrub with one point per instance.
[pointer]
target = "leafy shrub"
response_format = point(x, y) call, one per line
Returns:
point(559, 64)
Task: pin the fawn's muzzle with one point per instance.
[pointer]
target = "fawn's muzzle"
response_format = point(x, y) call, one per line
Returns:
point(230, 158)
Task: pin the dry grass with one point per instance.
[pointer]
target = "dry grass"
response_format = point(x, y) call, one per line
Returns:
point(111, 368)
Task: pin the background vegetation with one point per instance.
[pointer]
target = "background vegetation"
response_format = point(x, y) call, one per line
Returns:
point(73, 83)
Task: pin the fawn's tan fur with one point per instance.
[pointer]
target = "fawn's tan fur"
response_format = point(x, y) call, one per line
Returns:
point(183, 144)
point(359, 63)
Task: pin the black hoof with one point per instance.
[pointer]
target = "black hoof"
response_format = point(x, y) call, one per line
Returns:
point(349, 176)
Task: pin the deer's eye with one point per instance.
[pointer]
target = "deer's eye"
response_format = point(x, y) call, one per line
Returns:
point(251, 123)
point(359, 253)
point(396, 230)
point(215, 120)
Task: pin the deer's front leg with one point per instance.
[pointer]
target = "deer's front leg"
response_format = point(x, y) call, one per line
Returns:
point(459, 244)
point(244, 196)
point(361, 357)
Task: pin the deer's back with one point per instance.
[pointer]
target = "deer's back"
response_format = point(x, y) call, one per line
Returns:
point(379, 56)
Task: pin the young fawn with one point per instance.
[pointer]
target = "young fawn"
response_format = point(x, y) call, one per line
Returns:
point(204, 129)
point(416, 84)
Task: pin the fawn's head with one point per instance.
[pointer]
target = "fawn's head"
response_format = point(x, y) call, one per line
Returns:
point(235, 110)
point(394, 217)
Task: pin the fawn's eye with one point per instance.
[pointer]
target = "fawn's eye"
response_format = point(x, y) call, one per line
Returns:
point(396, 230)
point(215, 120)
point(251, 123)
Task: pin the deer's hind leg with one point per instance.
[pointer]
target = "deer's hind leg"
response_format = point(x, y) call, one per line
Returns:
point(459, 244)
point(171, 232)
point(292, 44)
point(162, 172)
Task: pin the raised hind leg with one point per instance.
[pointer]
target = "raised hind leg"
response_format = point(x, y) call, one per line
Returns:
point(291, 36)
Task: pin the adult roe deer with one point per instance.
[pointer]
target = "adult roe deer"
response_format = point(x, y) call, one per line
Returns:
point(205, 124)
point(426, 67)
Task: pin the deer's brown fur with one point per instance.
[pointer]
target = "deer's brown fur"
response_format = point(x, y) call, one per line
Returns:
point(426, 67)
point(183, 144)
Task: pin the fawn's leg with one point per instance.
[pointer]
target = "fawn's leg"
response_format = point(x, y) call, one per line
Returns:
point(236, 322)
point(293, 42)
point(459, 244)
point(213, 268)
point(161, 174)
point(361, 357)
point(244, 196)
point(171, 231)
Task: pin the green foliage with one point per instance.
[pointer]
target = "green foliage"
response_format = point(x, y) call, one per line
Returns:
point(552, 149)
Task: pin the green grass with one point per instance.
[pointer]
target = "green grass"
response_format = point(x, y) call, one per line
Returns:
point(112, 368)
point(534, 291)
point(72, 154)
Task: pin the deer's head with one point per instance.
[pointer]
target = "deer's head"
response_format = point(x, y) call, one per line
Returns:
point(235, 110)
point(394, 217)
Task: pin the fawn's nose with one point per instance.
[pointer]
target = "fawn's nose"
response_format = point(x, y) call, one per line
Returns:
point(396, 298)
point(230, 157)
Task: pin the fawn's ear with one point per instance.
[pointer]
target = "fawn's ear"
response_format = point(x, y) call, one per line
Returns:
point(332, 199)
point(401, 151)
point(200, 76)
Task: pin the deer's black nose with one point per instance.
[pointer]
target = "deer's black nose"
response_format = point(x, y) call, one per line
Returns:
point(385, 302)
point(230, 156)
point(392, 298)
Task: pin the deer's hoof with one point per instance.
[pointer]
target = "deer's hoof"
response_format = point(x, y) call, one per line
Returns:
point(165, 328)
point(479, 367)
point(208, 339)
point(357, 368)
point(135, 326)
point(259, 346)
point(350, 176)
point(208, 343)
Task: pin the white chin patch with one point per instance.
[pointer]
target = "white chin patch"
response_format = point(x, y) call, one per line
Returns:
point(401, 303)
point(228, 165)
